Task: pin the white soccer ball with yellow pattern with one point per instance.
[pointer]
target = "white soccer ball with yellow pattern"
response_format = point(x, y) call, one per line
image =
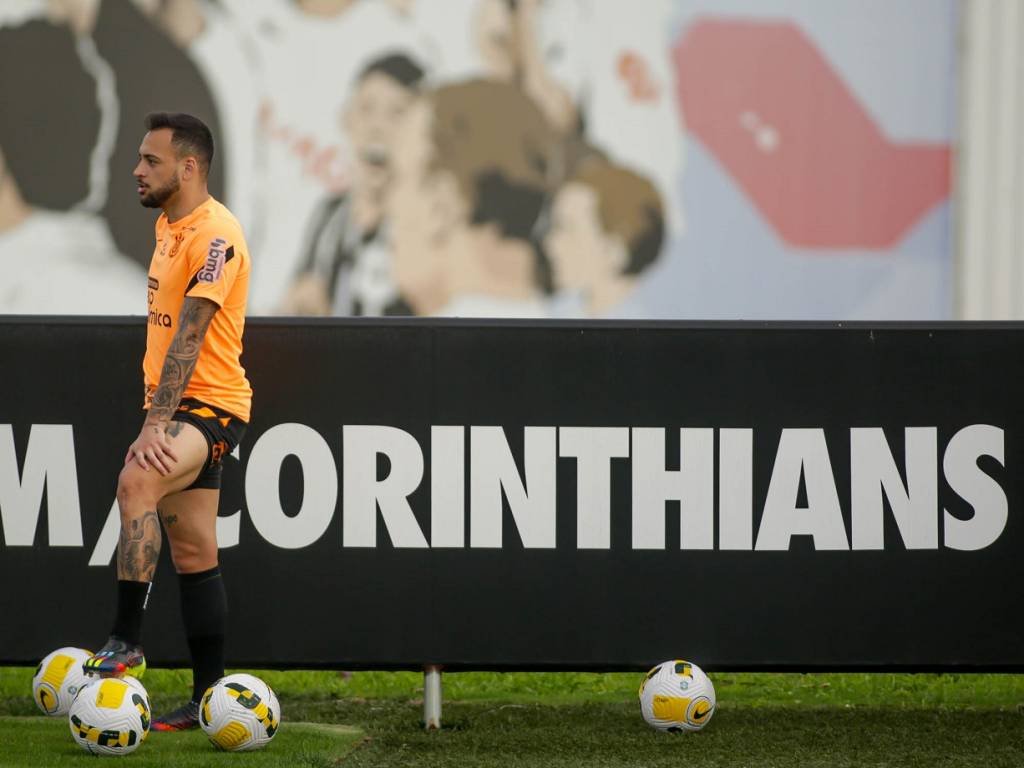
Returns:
point(58, 678)
point(677, 696)
point(239, 712)
point(110, 716)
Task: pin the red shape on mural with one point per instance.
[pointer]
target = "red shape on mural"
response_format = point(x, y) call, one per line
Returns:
point(781, 121)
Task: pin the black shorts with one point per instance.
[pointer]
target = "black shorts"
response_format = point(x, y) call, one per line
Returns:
point(222, 431)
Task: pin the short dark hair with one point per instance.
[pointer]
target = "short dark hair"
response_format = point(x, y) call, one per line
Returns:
point(398, 67)
point(189, 135)
point(628, 206)
point(501, 150)
point(42, 83)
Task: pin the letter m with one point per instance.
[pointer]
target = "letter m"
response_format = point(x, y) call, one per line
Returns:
point(49, 464)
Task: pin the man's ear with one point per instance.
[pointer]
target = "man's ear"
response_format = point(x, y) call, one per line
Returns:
point(190, 167)
point(448, 207)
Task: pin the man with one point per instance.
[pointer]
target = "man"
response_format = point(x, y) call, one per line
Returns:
point(197, 403)
point(346, 269)
point(308, 54)
point(58, 256)
point(606, 228)
point(473, 164)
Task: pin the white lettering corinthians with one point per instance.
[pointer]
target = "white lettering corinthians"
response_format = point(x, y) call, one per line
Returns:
point(473, 477)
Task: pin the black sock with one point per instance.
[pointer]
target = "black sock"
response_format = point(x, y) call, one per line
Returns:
point(132, 597)
point(204, 607)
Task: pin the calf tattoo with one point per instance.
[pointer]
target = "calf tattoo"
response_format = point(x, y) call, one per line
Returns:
point(138, 548)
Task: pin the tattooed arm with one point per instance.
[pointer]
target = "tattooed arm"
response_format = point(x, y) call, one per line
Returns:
point(151, 446)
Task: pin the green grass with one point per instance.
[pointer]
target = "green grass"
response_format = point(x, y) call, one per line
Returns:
point(45, 741)
point(568, 719)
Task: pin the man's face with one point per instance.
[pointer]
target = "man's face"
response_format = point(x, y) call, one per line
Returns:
point(580, 250)
point(495, 38)
point(371, 118)
point(157, 173)
point(417, 226)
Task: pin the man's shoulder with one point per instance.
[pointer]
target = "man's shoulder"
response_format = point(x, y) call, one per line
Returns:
point(220, 211)
point(219, 224)
point(217, 215)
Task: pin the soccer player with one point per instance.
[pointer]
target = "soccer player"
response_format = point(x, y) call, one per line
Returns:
point(197, 405)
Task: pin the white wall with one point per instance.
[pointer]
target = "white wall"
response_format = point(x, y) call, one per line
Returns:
point(990, 184)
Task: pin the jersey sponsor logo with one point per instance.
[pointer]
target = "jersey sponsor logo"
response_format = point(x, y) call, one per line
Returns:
point(160, 319)
point(216, 257)
point(214, 266)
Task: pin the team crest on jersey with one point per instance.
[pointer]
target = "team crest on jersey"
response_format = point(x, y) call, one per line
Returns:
point(178, 238)
point(216, 257)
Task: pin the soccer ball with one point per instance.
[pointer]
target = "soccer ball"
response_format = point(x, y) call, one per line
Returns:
point(677, 696)
point(239, 712)
point(110, 716)
point(58, 678)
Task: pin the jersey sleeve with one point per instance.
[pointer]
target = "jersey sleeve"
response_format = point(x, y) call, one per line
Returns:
point(214, 260)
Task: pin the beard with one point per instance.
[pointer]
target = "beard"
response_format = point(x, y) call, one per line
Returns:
point(155, 198)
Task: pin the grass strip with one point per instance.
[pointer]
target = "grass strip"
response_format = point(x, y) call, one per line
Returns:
point(573, 719)
point(41, 742)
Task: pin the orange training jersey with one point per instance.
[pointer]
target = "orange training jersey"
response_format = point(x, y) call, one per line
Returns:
point(204, 255)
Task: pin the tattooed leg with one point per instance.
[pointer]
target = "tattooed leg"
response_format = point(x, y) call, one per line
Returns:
point(138, 548)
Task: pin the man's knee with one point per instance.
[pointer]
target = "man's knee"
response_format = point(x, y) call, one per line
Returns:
point(134, 489)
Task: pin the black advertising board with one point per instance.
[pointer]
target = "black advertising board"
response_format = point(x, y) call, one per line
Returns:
point(549, 495)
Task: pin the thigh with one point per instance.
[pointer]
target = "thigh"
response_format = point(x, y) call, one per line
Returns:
point(192, 450)
point(223, 432)
point(190, 521)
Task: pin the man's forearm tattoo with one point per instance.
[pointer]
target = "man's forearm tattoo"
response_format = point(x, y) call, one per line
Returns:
point(180, 361)
point(138, 548)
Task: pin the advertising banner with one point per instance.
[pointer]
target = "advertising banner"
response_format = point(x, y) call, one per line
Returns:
point(557, 495)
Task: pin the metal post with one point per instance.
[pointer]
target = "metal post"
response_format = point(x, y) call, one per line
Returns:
point(432, 697)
